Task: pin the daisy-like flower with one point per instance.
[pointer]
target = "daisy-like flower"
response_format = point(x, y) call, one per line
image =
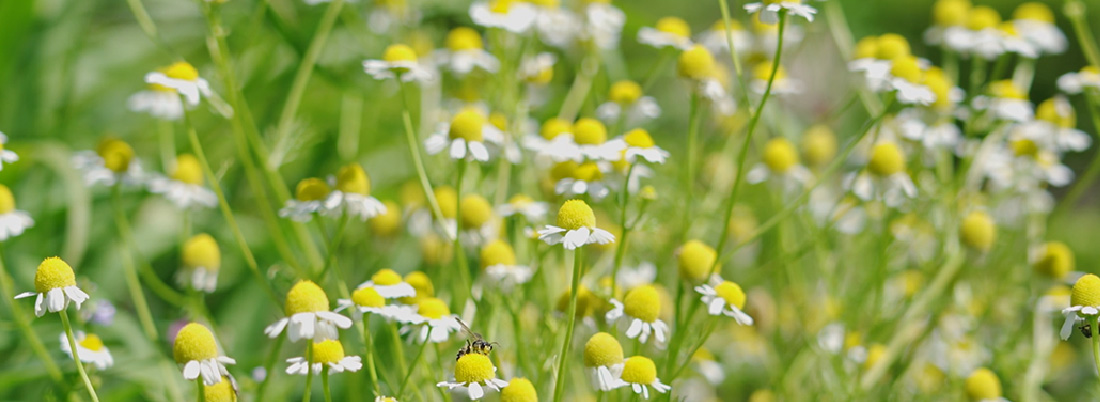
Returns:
point(510, 15)
point(781, 162)
point(465, 136)
point(465, 52)
point(184, 187)
point(521, 204)
point(1007, 102)
point(12, 221)
point(640, 308)
point(352, 194)
point(197, 351)
point(325, 353)
point(714, 39)
point(949, 25)
point(437, 322)
point(6, 155)
point(1053, 259)
point(978, 231)
point(112, 162)
point(603, 23)
point(983, 39)
point(626, 97)
point(1075, 83)
point(948, 96)
point(874, 57)
point(726, 298)
point(640, 373)
point(1013, 42)
point(590, 136)
point(367, 300)
point(694, 261)
point(574, 179)
point(201, 261)
point(474, 372)
point(769, 10)
point(537, 69)
point(885, 176)
point(554, 141)
point(389, 284)
point(54, 286)
point(399, 62)
point(603, 361)
point(162, 99)
point(1055, 128)
point(308, 315)
point(576, 227)
point(423, 285)
point(669, 32)
point(1035, 22)
point(908, 82)
point(223, 391)
point(818, 145)
point(1084, 302)
point(498, 260)
point(309, 198)
point(983, 386)
point(781, 85)
point(519, 389)
point(90, 349)
point(478, 223)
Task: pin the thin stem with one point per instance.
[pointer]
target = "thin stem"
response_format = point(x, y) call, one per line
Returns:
point(129, 247)
point(272, 357)
point(200, 389)
point(8, 289)
point(418, 162)
point(324, 381)
point(398, 350)
point(559, 385)
point(574, 99)
point(368, 342)
point(699, 344)
point(143, 19)
point(733, 53)
point(333, 246)
point(309, 372)
point(305, 69)
point(145, 316)
point(620, 250)
point(463, 288)
point(76, 356)
point(1095, 344)
point(689, 175)
point(167, 141)
point(412, 367)
point(1075, 11)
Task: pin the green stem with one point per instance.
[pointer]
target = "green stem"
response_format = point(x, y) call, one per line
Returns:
point(167, 141)
point(692, 156)
point(200, 389)
point(143, 19)
point(699, 344)
point(738, 72)
point(559, 385)
point(398, 350)
point(309, 372)
point(272, 358)
point(333, 246)
point(1075, 11)
point(620, 250)
point(305, 69)
point(76, 356)
point(582, 84)
point(324, 381)
point(462, 292)
point(1095, 343)
point(654, 72)
point(8, 289)
point(129, 247)
point(368, 341)
point(412, 367)
point(418, 162)
point(144, 314)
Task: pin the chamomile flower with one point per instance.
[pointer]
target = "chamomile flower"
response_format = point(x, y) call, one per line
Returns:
point(625, 101)
point(1035, 22)
point(325, 353)
point(519, 389)
point(465, 136)
point(576, 227)
point(367, 300)
point(556, 26)
point(637, 143)
point(309, 198)
point(1013, 42)
point(983, 39)
point(640, 374)
point(818, 145)
point(908, 82)
point(351, 196)
point(603, 23)
point(54, 286)
point(554, 141)
point(307, 315)
point(983, 386)
point(640, 309)
point(668, 32)
point(423, 285)
point(780, 163)
point(590, 135)
point(714, 39)
point(223, 391)
point(478, 223)
point(184, 186)
point(705, 364)
point(180, 77)
point(201, 261)
point(874, 57)
point(885, 176)
point(1084, 301)
point(435, 318)
point(696, 63)
point(501, 270)
point(726, 298)
point(948, 28)
point(465, 52)
point(510, 15)
point(399, 62)
point(6, 155)
point(1054, 127)
point(1075, 83)
point(389, 284)
point(195, 348)
point(537, 69)
point(781, 84)
point(769, 10)
point(13, 222)
point(1053, 259)
point(603, 361)
point(112, 162)
point(584, 178)
point(521, 204)
point(90, 349)
point(694, 261)
point(474, 372)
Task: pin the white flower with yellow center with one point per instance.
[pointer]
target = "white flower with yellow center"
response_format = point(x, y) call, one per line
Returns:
point(874, 57)
point(983, 39)
point(884, 178)
point(308, 315)
point(726, 298)
point(1006, 102)
point(705, 364)
point(585, 178)
point(309, 199)
point(1075, 83)
point(474, 372)
point(640, 374)
point(90, 349)
point(576, 227)
point(1084, 302)
point(625, 97)
point(781, 163)
point(197, 351)
point(1023, 164)
point(498, 260)
point(111, 162)
point(1054, 128)
point(13, 222)
point(435, 318)
point(983, 386)
point(1035, 22)
point(478, 224)
point(521, 204)
point(603, 24)
point(714, 39)
point(907, 79)
point(325, 353)
point(54, 286)
point(638, 143)
point(184, 187)
point(351, 195)
point(201, 261)
point(781, 84)
point(1013, 42)
point(554, 141)
point(769, 10)
point(6, 155)
point(603, 361)
point(367, 300)
point(557, 27)
point(640, 310)
point(537, 69)
point(590, 136)
point(182, 78)
point(398, 62)
point(389, 284)
point(465, 136)
point(669, 32)
point(465, 52)
point(509, 15)
point(949, 20)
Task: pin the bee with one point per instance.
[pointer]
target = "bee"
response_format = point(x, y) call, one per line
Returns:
point(475, 343)
point(1086, 330)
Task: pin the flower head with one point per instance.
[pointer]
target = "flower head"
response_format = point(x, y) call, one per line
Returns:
point(576, 226)
point(640, 309)
point(519, 389)
point(473, 372)
point(640, 373)
point(983, 385)
point(308, 315)
point(55, 286)
point(695, 63)
point(695, 261)
point(325, 353)
point(196, 349)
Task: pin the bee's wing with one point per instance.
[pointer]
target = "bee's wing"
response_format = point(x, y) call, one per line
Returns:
point(466, 329)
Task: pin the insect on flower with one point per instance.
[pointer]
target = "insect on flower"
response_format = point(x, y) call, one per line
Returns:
point(475, 343)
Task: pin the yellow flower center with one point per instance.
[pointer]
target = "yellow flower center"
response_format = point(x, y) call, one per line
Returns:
point(639, 370)
point(432, 307)
point(819, 145)
point(1034, 11)
point(1025, 147)
point(202, 250)
point(7, 200)
point(763, 72)
point(1057, 111)
point(554, 127)
point(866, 48)
point(588, 172)
point(519, 390)
point(467, 124)
point(886, 159)
point(675, 26)
point(463, 38)
point(907, 68)
point(53, 273)
point(399, 53)
point(576, 214)
point(780, 155)
point(474, 367)
point(638, 138)
point(602, 350)
point(92, 342)
point(983, 385)
point(312, 189)
point(498, 120)
point(950, 13)
point(1086, 292)
point(353, 179)
point(220, 392)
point(586, 301)
point(500, 6)
point(305, 297)
point(521, 200)
point(385, 277)
point(695, 63)
point(702, 354)
point(978, 231)
point(497, 253)
point(448, 201)
point(116, 154)
point(648, 193)
point(625, 92)
point(939, 85)
point(368, 297)
point(589, 132)
point(642, 302)
point(422, 284)
point(562, 170)
point(695, 261)
point(1055, 260)
point(194, 342)
point(1006, 89)
point(731, 293)
point(181, 70)
point(476, 211)
point(188, 170)
point(327, 351)
point(982, 17)
point(389, 223)
point(891, 46)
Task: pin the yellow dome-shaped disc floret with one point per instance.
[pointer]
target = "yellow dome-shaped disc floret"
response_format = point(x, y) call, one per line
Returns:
point(639, 370)
point(695, 261)
point(554, 127)
point(53, 273)
point(588, 171)
point(353, 179)
point(576, 214)
point(1086, 292)
point(432, 307)
point(519, 390)
point(476, 211)
point(399, 53)
point(602, 350)
point(638, 138)
point(116, 154)
point(422, 283)
point(385, 277)
point(886, 159)
point(818, 145)
point(1006, 89)
point(1057, 111)
point(188, 170)
point(982, 17)
point(643, 302)
point(305, 297)
point(675, 26)
point(367, 296)
point(936, 81)
point(950, 13)
point(1055, 260)
point(625, 92)
point(866, 48)
point(327, 351)
point(463, 38)
point(1025, 147)
point(978, 231)
point(467, 124)
point(474, 367)
point(497, 252)
point(388, 223)
point(194, 342)
point(763, 72)
point(731, 293)
point(181, 70)
point(202, 250)
point(891, 46)
point(312, 189)
point(983, 385)
point(7, 200)
point(1034, 11)
point(695, 63)
point(447, 198)
point(91, 342)
point(907, 68)
point(588, 131)
point(220, 392)
point(780, 155)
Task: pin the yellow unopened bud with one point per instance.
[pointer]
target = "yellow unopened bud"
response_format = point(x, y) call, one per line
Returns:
point(353, 179)
point(1055, 260)
point(983, 385)
point(602, 350)
point(116, 154)
point(194, 342)
point(463, 38)
point(476, 211)
point(978, 231)
point(305, 297)
point(399, 53)
point(53, 273)
point(188, 170)
point(780, 155)
point(695, 261)
point(886, 159)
